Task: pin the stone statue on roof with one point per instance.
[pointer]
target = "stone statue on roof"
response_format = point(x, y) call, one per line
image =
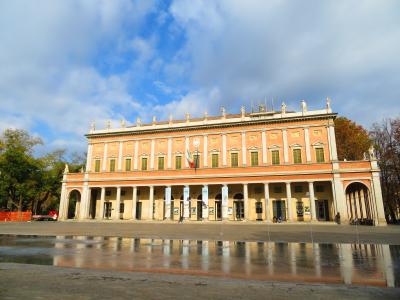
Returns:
point(66, 169)
point(138, 122)
point(108, 124)
point(123, 123)
point(283, 108)
point(243, 111)
point(93, 126)
point(328, 104)
point(223, 112)
point(303, 105)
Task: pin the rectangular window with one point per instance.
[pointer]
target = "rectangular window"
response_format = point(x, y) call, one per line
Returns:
point(254, 158)
point(112, 165)
point(178, 162)
point(275, 157)
point(319, 154)
point(214, 160)
point(297, 156)
point(128, 164)
point(196, 160)
point(108, 193)
point(234, 159)
point(144, 163)
point(278, 189)
point(319, 188)
point(161, 163)
point(97, 165)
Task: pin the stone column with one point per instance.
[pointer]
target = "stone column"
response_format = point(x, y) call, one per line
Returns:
point(186, 196)
point(332, 142)
point(134, 200)
point(307, 142)
point(136, 155)
point(85, 202)
point(246, 201)
point(205, 154)
point(267, 202)
point(204, 193)
point(289, 201)
point(169, 158)
point(339, 198)
point(264, 147)
point(104, 166)
point(102, 198)
point(244, 150)
point(89, 158)
point(153, 142)
point(151, 203)
point(62, 215)
point(377, 191)
point(224, 150)
point(224, 193)
point(167, 213)
point(312, 201)
point(117, 204)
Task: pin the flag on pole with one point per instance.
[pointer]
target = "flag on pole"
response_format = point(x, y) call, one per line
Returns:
point(189, 158)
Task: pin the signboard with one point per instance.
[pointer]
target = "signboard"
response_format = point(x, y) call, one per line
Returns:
point(167, 202)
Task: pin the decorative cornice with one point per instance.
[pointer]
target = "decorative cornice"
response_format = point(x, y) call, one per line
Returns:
point(200, 127)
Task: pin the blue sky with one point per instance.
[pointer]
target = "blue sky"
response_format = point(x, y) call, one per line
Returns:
point(65, 64)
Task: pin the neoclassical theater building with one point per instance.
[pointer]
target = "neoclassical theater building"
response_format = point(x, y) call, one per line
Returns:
point(266, 166)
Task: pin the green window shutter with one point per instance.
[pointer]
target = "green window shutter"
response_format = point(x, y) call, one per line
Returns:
point(161, 163)
point(319, 153)
point(214, 160)
point(112, 165)
point(127, 164)
point(144, 163)
point(254, 158)
point(234, 160)
point(297, 156)
point(97, 165)
point(178, 162)
point(275, 157)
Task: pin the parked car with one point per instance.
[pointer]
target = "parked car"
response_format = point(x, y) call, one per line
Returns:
point(52, 215)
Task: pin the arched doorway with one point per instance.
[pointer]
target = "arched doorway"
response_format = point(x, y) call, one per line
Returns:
point(74, 204)
point(359, 205)
point(238, 206)
point(218, 207)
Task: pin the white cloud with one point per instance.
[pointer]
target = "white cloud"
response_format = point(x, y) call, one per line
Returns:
point(47, 53)
point(289, 50)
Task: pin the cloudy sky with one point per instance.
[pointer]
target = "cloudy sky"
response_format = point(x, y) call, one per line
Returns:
point(65, 64)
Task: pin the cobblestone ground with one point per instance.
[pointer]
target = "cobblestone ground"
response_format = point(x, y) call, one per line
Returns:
point(21, 281)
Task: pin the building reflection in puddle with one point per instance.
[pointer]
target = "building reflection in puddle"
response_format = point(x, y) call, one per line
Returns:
point(368, 264)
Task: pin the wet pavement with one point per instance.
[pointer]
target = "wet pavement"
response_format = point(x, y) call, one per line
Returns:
point(361, 264)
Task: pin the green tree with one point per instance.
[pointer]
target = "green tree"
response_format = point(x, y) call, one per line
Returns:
point(19, 169)
point(352, 140)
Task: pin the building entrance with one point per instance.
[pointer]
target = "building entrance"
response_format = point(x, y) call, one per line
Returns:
point(138, 210)
point(239, 210)
point(279, 208)
point(199, 210)
point(107, 210)
point(322, 209)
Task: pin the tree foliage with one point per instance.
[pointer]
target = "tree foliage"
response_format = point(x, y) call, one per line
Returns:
point(386, 138)
point(352, 140)
point(28, 182)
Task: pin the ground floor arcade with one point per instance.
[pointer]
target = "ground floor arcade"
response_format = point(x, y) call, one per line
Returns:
point(271, 202)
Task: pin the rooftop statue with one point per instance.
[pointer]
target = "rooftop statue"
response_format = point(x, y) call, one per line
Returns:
point(66, 169)
point(303, 106)
point(138, 122)
point(283, 108)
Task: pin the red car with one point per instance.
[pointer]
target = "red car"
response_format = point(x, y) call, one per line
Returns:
point(51, 216)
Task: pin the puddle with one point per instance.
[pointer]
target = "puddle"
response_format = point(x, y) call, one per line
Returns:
point(365, 264)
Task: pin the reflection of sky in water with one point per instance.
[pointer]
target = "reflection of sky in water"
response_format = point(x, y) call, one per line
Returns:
point(367, 264)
